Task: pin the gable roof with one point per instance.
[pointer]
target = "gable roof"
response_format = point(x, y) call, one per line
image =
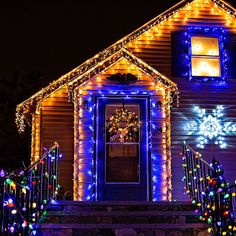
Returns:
point(86, 69)
point(75, 79)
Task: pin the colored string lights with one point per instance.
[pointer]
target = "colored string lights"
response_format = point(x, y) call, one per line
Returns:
point(93, 67)
point(209, 192)
point(27, 193)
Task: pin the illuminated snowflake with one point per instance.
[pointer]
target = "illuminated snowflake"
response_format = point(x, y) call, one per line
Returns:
point(210, 127)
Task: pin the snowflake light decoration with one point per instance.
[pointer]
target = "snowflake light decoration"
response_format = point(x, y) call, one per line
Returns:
point(210, 127)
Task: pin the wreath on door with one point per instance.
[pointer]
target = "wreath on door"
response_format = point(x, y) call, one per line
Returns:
point(123, 133)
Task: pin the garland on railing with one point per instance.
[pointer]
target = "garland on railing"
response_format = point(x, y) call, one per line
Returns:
point(209, 192)
point(26, 194)
point(219, 212)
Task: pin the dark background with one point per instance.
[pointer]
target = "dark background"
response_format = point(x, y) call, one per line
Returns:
point(42, 40)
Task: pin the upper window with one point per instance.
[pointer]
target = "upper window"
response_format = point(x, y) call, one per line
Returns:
point(205, 56)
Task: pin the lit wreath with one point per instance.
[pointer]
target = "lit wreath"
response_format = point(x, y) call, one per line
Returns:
point(123, 116)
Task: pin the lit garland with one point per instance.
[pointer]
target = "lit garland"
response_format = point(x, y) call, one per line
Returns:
point(218, 213)
point(35, 135)
point(167, 164)
point(209, 192)
point(76, 146)
point(84, 175)
point(123, 133)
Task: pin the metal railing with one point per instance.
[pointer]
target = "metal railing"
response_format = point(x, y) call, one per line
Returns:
point(25, 194)
point(209, 192)
point(197, 172)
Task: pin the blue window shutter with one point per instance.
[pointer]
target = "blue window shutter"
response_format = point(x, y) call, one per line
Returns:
point(230, 50)
point(179, 48)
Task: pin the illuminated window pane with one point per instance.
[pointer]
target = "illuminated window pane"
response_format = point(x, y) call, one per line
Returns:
point(205, 67)
point(205, 46)
point(122, 149)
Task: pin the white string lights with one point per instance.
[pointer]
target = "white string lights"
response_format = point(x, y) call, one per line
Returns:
point(211, 128)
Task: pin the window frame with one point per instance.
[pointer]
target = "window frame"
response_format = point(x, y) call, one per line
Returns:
point(206, 33)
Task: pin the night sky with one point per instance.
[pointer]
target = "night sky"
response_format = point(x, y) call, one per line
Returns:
point(41, 40)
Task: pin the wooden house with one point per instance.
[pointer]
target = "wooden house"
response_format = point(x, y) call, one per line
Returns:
point(119, 119)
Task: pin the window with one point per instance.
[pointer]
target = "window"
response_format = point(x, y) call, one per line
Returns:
point(122, 143)
point(205, 56)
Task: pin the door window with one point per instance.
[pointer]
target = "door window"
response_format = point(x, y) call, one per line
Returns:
point(122, 143)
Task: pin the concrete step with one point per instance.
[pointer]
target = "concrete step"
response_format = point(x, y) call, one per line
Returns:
point(121, 219)
point(69, 206)
point(122, 230)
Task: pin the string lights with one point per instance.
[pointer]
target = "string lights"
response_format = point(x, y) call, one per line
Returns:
point(85, 164)
point(84, 98)
point(206, 57)
point(153, 27)
point(81, 80)
point(26, 194)
point(210, 193)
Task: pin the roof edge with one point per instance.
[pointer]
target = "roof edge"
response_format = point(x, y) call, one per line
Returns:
point(23, 112)
point(88, 64)
point(116, 46)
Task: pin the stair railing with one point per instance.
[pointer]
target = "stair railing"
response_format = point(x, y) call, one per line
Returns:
point(25, 194)
point(197, 172)
point(208, 190)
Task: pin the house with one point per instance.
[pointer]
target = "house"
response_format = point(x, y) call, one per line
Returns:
point(119, 119)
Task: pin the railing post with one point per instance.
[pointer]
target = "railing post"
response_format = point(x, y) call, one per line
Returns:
point(2, 197)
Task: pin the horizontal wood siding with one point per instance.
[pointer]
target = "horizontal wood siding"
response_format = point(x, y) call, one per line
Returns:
point(208, 98)
point(154, 47)
point(57, 119)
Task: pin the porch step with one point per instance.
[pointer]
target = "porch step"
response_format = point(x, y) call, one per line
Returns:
point(120, 219)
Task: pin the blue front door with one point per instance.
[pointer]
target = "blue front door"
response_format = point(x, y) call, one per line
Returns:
point(122, 149)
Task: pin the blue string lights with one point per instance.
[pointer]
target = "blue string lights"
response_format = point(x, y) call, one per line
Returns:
point(161, 91)
point(207, 32)
point(85, 150)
